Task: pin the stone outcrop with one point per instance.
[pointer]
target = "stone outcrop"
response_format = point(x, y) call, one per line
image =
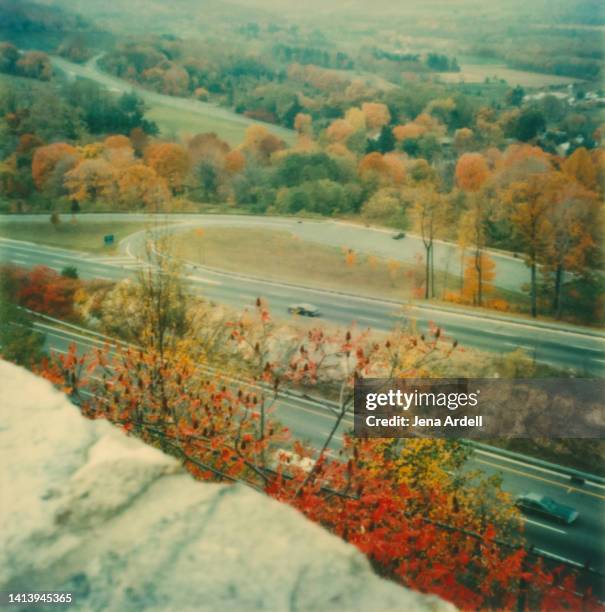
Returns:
point(120, 525)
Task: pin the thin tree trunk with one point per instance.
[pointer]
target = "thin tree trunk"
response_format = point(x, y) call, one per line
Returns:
point(558, 286)
point(427, 271)
point(534, 307)
point(478, 267)
point(432, 270)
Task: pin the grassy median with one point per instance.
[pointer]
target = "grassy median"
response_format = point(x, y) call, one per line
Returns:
point(282, 256)
point(80, 236)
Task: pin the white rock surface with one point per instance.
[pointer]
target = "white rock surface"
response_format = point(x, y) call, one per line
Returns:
point(88, 510)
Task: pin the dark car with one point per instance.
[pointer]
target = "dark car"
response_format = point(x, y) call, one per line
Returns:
point(399, 236)
point(305, 310)
point(533, 503)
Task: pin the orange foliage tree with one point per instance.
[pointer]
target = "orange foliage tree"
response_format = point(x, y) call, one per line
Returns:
point(46, 159)
point(472, 173)
point(36, 65)
point(532, 202)
point(170, 162)
point(339, 131)
point(572, 236)
point(485, 273)
point(261, 143)
point(139, 186)
point(303, 123)
point(235, 161)
point(376, 114)
point(92, 179)
point(386, 169)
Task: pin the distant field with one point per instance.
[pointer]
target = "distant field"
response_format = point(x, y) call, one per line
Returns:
point(181, 123)
point(178, 116)
point(477, 73)
point(78, 236)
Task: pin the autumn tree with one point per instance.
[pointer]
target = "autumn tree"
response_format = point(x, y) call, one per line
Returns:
point(339, 131)
point(42, 290)
point(91, 180)
point(472, 173)
point(580, 167)
point(463, 140)
point(139, 186)
point(35, 65)
point(117, 141)
point(139, 140)
point(388, 169)
point(59, 156)
point(207, 147)
point(161, 297)
point(303, 124)
point(207, 153)
point(474, 274)
point(386, 206)
point(376, 114)
point(261, 143)
point(531, 204)
point(235, 161)
point(430, 213)
point(357, 118)
point(19, 341)
point(408, 131)
point(170, 162)
point(572, 235)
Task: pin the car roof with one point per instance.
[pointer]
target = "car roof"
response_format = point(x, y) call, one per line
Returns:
point(534, 497)
point(549, 503)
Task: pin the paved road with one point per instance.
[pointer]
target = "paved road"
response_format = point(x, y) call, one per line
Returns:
point(92, 71)
point(511, 273)
point(559, 347)
point(581, 542)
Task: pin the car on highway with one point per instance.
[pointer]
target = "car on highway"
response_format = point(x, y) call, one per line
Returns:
point(533, 503)
point(305, 310)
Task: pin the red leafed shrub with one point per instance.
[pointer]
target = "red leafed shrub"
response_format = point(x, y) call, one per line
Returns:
point(41, 289)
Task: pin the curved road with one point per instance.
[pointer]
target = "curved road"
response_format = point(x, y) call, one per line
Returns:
point(92, 71)
point(559, 345)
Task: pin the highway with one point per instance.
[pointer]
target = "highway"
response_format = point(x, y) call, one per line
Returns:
point(310, 420)
point(511, 273)
point(580, 543)
point(560, 346)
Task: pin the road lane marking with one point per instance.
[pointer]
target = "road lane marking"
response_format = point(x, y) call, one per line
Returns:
point(58, 350)
point(538, 468)
point(526, 520)
point(540, 478)
point(201, 279)
point(558, 557)
point(371, 319)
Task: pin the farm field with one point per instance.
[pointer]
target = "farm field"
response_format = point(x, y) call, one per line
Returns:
point(477, 73)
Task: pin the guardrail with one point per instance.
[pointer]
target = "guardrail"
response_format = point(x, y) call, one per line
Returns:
point(576, 476)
